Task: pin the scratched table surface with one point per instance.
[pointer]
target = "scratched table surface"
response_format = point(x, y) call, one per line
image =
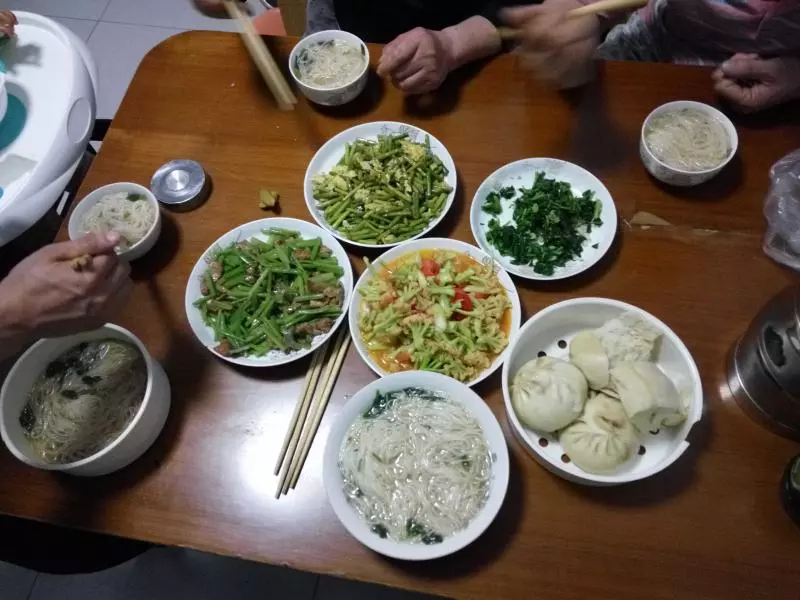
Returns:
point(711, 526)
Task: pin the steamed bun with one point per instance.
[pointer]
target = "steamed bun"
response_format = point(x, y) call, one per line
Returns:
point(548, 394)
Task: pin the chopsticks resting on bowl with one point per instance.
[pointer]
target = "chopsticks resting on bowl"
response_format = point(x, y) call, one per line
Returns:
point(309, 410)
point(263, 58)
point(508, 33)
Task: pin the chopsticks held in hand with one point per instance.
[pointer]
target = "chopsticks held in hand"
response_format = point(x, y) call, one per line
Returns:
point(310, 409)
point(507, 33)
point(262, 57)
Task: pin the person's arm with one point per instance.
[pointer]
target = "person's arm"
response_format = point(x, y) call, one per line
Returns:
point(751, 83)
point(419, 60)
point(50, 294)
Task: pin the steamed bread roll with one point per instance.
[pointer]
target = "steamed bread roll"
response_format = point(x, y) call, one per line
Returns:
point(650, 399)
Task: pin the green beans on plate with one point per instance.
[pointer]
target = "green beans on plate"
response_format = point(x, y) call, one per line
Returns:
point(384, 191)
point(275, 295)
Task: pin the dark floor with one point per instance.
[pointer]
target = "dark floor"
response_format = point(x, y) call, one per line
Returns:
point(175, 574)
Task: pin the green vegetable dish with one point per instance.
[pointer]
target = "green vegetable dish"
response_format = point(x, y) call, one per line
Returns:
point(383, 192)
point(550, 224)
point(434, 310)
point(275, 295)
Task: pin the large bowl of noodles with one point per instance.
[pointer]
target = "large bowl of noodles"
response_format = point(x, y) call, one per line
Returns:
point(686, 143)
point(124, 445)
point(444, 488)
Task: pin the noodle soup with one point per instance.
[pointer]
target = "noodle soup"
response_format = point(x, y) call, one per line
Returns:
point(83, 400)
point(416, 466)
point(688, 139)
point(329, 64)
point(130, 214)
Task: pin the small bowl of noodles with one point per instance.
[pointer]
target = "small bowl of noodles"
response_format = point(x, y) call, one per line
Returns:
point(86, 404)
point(330, 67)
point(416, 466)
point(128, 208)
point(686, 143)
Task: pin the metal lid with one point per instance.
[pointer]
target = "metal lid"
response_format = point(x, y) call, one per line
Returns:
point(181, 184)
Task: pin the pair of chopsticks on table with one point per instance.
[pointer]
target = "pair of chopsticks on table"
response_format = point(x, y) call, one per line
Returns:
point(508, 33)
point(261, 55)
point(309, 410)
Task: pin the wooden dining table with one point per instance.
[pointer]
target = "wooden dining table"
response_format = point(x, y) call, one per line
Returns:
point(710, 526)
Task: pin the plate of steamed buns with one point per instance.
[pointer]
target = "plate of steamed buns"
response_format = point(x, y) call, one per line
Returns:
point(601, 392)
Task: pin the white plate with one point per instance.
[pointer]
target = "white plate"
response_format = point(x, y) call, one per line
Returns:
point(559, 323)
point(436, 244)
point(360, 402)
point(253, 230)
point(521, 174)
point(333, 150)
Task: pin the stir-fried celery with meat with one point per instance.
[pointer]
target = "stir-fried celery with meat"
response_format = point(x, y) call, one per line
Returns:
point(436, 311)
point(383, 191)
point(260, 296)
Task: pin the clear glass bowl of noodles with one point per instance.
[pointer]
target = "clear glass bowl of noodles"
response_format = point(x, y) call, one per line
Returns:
point(672, 174)
point(459, 394)
point(130, 444)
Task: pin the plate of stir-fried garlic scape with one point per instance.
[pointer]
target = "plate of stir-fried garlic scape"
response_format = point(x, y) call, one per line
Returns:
point(379, 184)
point(269, 292)
point(435, 305)
point(543, 218)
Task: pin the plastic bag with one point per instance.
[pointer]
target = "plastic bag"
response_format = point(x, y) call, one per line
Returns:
point(782, 210)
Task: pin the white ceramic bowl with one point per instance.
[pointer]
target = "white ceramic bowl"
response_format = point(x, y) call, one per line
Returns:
point(359, 403)
point(436, 244)
point(679, 177)
point(130, 445)
point(247, 231)
point(140, 248)
point(521, 174)
point(337, 95)
point(333, 151)
point(559, 323)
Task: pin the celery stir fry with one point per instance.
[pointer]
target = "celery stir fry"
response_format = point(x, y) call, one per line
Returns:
point(383, 192)
point(434, 310)
point(276, 295)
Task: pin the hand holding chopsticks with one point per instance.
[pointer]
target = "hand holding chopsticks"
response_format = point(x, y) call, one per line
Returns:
point(556, 40)
point(262, 58)
point(509, 33)
point(310, 408)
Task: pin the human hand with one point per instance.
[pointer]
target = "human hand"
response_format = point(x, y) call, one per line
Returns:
point(45, 295)
point(752, 83)
point(418, 61)
point(558, 48)
point(7, 22)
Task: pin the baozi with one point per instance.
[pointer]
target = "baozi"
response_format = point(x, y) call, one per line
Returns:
point(587, 353)
point(602, 439)
point(548, 393)
point(628, 338)
point(650, 399)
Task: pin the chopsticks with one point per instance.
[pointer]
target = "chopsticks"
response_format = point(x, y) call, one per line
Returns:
point(261, 55)
point(310, 408)
point(508, 33)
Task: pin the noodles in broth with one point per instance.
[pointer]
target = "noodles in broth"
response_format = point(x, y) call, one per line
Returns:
point(130, 215)
point(416, 466)
point(84, 400)
point(687, 139)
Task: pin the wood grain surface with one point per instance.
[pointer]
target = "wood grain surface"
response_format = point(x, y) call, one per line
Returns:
point(709, 527)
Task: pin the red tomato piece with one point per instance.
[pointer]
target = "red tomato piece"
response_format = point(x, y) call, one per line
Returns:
point(463, 299)
point(429, 267)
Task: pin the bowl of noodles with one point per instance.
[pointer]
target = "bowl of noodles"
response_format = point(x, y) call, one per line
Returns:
point(128, 208)
point(686, 143)
point(330, 67)
point(436, 305)
point(86, 404)
point(416, 466)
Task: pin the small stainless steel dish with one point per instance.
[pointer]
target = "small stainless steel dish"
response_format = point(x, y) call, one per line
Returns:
point(181, 185)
